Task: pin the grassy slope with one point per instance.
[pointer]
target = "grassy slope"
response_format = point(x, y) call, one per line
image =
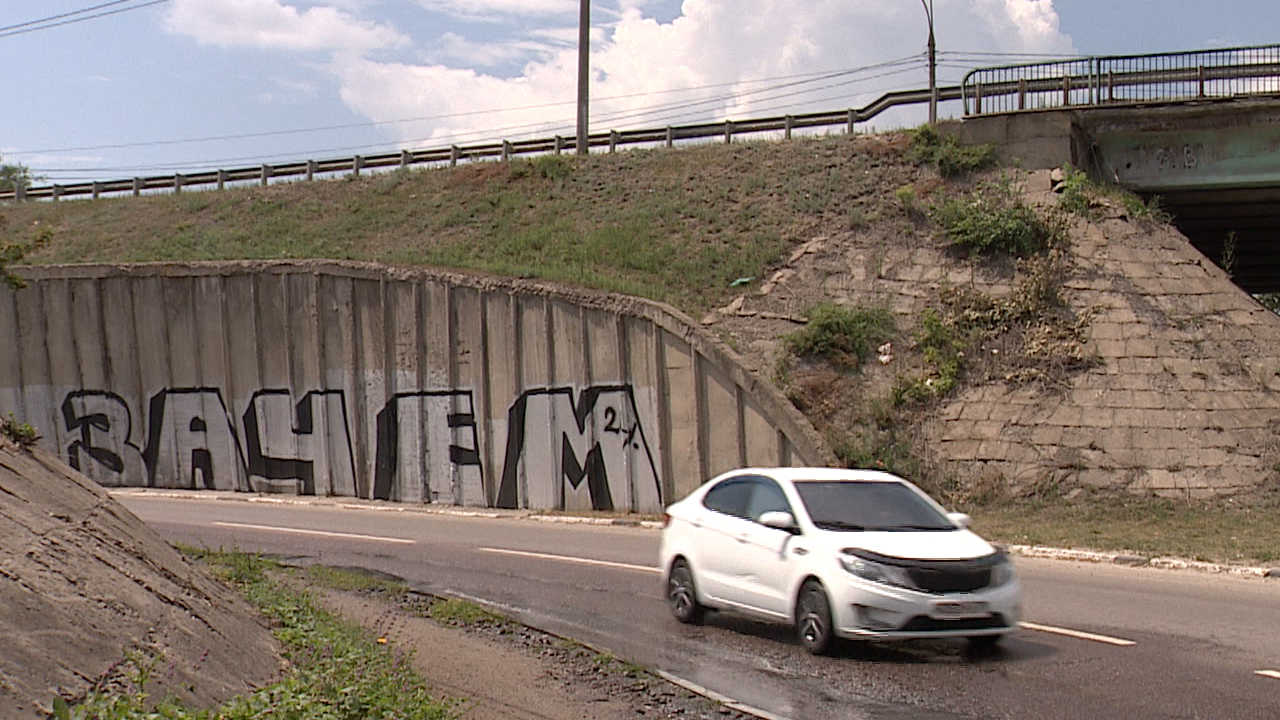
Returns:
point(678, 226)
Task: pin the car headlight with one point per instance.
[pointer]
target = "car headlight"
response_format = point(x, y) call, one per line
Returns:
point(1001, 572)
point(875, 572)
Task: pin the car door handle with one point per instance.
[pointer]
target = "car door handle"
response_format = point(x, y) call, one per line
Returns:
point(799, 551)
point(744, 538)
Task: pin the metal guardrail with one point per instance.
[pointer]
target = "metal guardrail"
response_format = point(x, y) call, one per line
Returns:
point(1123, 79)
point(1086, 81)
point(309, 169)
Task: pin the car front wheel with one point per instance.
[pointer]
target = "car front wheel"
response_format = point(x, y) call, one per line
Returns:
point(682, 595)
point(813, 619)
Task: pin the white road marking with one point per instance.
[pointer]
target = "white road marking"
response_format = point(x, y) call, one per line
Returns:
point(300, 531)
point(1269, 673)
point(1078, 634)
point(570, 558)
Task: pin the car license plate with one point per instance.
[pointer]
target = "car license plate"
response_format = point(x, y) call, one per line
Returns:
point(956, 610)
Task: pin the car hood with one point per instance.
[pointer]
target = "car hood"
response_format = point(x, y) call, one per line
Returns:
point(918, 545)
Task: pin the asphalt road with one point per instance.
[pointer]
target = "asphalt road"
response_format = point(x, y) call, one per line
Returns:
point(1148, 643)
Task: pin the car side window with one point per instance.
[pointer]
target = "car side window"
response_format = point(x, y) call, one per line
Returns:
point(767, 497)
point(730, 497)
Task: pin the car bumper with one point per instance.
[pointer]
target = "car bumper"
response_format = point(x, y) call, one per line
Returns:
point(867, 610)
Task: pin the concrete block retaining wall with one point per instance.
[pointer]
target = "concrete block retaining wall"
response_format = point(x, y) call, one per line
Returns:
point(357, 380)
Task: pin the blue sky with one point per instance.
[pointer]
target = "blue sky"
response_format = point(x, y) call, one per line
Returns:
point(183, 85)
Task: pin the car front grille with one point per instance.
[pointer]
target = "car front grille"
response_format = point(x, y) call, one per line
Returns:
point(922, 623)
point(939, 577)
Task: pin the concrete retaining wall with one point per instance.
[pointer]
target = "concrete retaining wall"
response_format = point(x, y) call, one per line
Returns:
point(405, 385)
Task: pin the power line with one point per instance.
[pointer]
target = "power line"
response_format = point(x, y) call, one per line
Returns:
point(659, 113)
point(46, 23)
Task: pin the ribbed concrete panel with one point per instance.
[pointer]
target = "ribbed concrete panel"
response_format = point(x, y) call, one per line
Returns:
point(682, 433)
point(724, 450)
point(760, 436)
point(211, 331)
point(64, 365)
point(370, 367)
point(86, 332)
point(352, 380)
point(337, 331)
point(275, 347)
point(10, 360)
point(502, 381)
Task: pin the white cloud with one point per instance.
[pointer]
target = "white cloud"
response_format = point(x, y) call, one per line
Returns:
point(636, 60)
point(272, 24)
point(475, 54)
point(497, 9)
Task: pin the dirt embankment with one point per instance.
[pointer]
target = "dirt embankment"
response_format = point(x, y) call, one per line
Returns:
point(83, 583)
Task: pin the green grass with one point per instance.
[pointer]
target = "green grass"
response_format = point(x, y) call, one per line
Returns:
point(461, 613)
point(352, 580)
point(337, 670)
point(846, 336)
point(992, 219)
point(1146, 526)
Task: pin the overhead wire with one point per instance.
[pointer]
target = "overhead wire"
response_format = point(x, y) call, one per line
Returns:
point(45, 24)
point(660, 112)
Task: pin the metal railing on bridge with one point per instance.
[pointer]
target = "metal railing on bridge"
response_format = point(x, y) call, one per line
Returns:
point(504, 150)
point(1123, 79)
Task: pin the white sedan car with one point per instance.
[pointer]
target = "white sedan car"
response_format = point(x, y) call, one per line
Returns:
point(838, 554)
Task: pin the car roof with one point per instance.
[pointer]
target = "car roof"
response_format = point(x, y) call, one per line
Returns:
point(822, 474)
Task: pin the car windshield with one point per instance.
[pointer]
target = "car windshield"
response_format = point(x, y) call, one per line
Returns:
point(853, 505)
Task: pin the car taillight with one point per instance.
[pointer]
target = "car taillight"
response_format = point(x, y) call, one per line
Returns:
point(666, 520)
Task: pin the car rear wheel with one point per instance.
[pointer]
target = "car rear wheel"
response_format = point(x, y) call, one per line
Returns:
point(682, 595)
point(813, 619)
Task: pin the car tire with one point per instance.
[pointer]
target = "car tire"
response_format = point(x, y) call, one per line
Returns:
point(813, 619)
point(682, 594)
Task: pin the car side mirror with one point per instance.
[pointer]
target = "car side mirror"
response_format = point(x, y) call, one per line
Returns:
point(960, 519)
point(779, 520)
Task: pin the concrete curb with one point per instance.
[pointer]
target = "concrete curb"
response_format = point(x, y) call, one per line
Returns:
point(1162, 563)
point(1037, 551)
point(384, 506)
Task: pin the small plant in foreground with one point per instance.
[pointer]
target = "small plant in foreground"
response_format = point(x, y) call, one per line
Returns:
point(944, 151)
point(22, 433)
point(993, 220)
point(845, 336)
point(459, 612)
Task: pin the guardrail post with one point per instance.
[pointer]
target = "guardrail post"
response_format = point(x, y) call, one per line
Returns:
point(787, 124)
point(455, 153)
point(137, 186)
point(671, 136)
point(20, 192)
point(559, 144)
point(97, 190)
point(506, 151)
point(853, 119)
point(265, 175)
point(222, 179)
point(1111, 86)
point(613, 141)
point(406, 157)
point(1066, 91)
point(1201, 74)
point(177, 183)
point(1022, 93)
point(977, 98)
point(357, 162)
point(312, 167)
point(57, 192)
point(728, 132)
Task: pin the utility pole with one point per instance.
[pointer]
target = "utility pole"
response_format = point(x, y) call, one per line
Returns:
point(933, 64)
point(584, 75)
